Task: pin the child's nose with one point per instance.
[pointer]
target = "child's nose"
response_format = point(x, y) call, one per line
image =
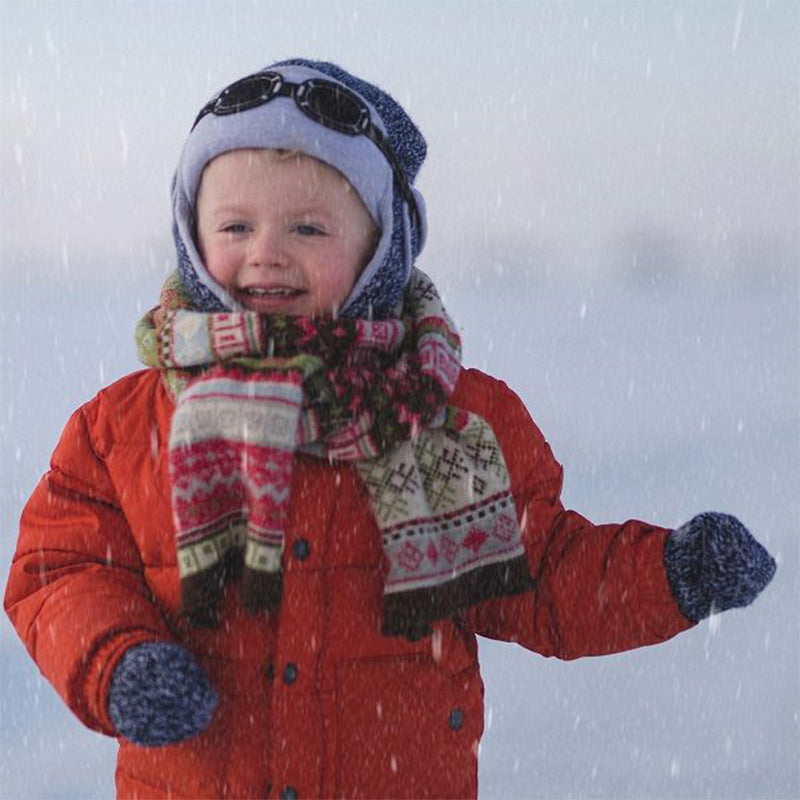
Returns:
point(267, 249)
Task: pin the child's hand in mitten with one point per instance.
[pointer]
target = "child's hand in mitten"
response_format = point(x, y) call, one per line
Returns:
point(160, 695)
point(713, 563)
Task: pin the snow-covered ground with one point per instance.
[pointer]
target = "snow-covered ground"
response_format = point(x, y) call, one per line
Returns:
point(660, 401)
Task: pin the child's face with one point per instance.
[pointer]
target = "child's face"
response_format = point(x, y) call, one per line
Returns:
point(283, 233)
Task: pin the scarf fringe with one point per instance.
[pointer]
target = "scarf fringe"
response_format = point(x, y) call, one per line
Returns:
point(200, 592)
point(260, 591)
point(410, 614)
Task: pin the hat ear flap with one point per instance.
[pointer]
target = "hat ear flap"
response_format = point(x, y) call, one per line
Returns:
point(418, 223)
point(200, 296)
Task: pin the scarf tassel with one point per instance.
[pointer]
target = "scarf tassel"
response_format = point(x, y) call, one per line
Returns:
point(201, 592)
point(411, 613)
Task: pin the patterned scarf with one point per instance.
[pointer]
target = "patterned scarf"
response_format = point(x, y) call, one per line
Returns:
point(252, 389)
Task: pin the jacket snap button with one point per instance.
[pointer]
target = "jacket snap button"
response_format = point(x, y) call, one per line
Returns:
point(456, 719)
point(288, 793)
point(289, 677)
point(301, 549)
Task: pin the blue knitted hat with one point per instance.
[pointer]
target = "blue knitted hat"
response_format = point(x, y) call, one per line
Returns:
point(279, 123)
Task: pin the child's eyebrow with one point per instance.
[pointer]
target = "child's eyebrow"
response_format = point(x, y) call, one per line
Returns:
point(227, 209)
point(310, 208)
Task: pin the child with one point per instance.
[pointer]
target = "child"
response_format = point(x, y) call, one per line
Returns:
point(262, 562)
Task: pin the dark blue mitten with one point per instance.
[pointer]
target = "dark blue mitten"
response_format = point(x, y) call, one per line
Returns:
point(713, 563)
point(160, 695)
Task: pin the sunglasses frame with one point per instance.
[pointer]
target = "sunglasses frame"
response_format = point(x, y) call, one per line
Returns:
point(303, 95)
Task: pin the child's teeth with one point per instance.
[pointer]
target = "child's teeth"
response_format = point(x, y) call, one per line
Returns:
point(279, 292)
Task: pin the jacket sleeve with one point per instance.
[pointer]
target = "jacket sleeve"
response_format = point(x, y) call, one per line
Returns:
point(597, 588)
point(76, 592)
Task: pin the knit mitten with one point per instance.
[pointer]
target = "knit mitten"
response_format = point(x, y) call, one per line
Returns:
point(713, 563)
point(160, 695)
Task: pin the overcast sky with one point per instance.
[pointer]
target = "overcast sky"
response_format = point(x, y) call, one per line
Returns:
point(558, 132)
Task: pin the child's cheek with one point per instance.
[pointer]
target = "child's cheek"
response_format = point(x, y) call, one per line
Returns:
point(221, 262)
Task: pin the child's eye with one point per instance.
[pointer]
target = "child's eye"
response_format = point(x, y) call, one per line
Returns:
point(307, 229)
point(235, 227)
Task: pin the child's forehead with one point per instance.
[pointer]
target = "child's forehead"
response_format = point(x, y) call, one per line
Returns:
point(269, 163)
point(278, 179)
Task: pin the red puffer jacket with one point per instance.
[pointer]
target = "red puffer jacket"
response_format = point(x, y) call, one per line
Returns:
point(314, 701)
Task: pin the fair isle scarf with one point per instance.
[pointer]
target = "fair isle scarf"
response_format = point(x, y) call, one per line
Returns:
point(252, 389)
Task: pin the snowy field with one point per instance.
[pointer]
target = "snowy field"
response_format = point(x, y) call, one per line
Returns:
point(660, 402)
point(613, 192)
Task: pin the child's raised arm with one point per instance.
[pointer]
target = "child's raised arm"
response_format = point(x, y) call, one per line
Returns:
point(607, 588)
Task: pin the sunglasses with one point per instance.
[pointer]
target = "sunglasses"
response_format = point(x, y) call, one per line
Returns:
point(327, 103)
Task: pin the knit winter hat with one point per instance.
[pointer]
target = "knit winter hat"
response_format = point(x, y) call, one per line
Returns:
point(279, 123)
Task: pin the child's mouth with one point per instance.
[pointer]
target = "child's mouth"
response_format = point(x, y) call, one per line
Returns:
point(270, 299)
point(274, 292)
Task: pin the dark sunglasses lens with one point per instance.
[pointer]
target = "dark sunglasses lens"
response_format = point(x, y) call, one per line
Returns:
point(246, 93)
point(335, 108)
